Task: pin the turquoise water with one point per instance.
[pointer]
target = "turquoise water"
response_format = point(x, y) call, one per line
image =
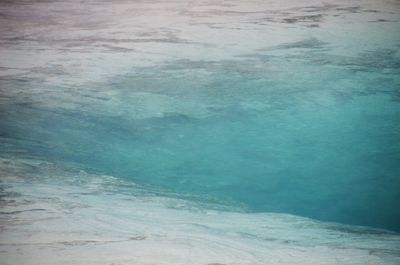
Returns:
point(259, 108)
point(313, 148)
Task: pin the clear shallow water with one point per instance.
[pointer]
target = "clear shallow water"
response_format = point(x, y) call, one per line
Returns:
point(202, 113)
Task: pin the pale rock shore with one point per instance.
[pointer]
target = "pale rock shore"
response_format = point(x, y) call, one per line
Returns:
point(52, 216)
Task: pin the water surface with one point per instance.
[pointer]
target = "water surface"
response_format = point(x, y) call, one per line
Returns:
point(197, 132)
